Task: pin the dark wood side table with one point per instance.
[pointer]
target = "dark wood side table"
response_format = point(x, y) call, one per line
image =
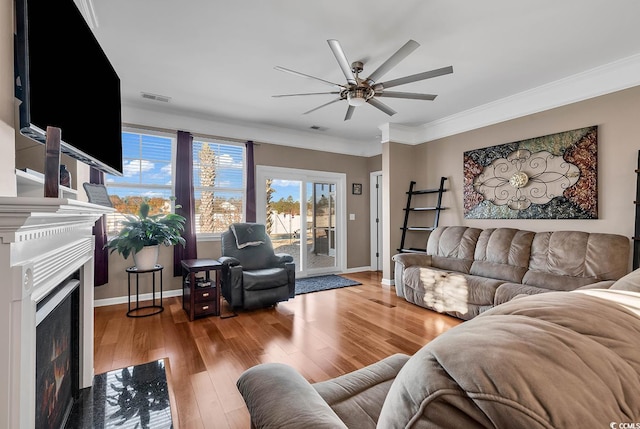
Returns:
point(154, 308)
point(201, 296)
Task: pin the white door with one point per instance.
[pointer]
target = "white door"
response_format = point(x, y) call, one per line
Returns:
point(304, 212)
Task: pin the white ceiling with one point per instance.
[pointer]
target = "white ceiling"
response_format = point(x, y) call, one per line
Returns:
point(215, 59)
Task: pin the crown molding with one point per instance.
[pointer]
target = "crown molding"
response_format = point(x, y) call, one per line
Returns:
point(611, 77)
point(145, 114)
point(399, 134)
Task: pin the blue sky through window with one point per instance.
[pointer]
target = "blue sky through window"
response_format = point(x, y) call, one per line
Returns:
point(147, 161)
point(285, 188)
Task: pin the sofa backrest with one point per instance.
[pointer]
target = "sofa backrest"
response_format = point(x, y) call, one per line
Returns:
point(556, 260)
point(502, 253)
point(452, 247)
point(566, 260)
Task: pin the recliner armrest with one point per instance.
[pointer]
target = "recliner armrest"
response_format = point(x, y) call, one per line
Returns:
point(277, 396)
point(409, 259)
point(229, 261)
point(403, 261)
point(284, 257)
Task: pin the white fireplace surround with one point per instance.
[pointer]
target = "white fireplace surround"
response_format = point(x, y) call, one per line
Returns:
point(42, 242)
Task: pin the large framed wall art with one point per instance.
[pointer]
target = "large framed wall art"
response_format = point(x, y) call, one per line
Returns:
point(548, 177)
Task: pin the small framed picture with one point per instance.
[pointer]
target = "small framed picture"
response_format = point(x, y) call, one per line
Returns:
point(356, 189)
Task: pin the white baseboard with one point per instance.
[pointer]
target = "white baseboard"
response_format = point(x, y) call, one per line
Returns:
point(356, 270)
point(388, 282)
point(143, 297)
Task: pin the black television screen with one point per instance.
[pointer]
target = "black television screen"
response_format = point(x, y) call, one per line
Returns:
point(65, 80)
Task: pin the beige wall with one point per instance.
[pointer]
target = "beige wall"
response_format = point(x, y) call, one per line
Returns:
point(375, 163)
point(398, 166)
point(7, 139)
point(616, 116)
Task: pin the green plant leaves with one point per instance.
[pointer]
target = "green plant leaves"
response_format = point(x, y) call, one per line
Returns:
point(144, 230)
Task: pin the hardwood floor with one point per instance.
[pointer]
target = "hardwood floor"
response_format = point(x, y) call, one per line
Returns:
point(323, 335)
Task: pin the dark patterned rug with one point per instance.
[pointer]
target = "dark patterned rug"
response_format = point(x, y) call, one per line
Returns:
point(318, 283)
point(131, 397)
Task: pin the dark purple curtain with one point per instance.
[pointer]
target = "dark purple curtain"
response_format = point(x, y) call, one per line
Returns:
point(184, 199)
point(251, 184)
point(100, 254)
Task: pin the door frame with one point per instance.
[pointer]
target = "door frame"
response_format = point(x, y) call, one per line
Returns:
point(264, 172)
point(375, 177)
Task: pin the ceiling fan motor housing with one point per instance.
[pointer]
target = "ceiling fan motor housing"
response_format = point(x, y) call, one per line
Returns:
point(359, 95)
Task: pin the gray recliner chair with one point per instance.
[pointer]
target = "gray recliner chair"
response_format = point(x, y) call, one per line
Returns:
point(253, 275)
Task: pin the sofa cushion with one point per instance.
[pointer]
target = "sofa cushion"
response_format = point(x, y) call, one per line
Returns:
point(555, 282)
point(452, 247)
point(502, 253)
point(448, 292)
point(508, 291)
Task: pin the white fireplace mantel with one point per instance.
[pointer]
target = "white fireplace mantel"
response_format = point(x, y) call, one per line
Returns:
point(42, 242)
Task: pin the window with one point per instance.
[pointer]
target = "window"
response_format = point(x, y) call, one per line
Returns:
point(148, 163)
point(147, 166)
point(219, 185)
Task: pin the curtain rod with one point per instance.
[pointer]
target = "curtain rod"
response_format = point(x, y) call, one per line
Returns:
point(170, 131)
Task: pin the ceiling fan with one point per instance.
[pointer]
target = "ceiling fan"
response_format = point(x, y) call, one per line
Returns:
point(358, 91)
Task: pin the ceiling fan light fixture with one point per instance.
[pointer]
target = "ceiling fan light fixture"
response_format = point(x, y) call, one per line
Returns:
point(358, 96)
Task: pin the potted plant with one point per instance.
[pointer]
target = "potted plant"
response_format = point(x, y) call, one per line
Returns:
point(142, 235)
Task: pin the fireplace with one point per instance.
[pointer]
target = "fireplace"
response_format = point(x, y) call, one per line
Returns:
point(57, 356)
point(46, 248)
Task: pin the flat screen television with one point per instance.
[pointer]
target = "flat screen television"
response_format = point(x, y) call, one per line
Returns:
point(65, 80)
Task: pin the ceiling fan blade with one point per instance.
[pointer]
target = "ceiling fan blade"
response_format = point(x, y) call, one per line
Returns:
point(320, 107)
point(326, 82)
point(393, 60)
point(408, 95)
point(306, 93)
point(414, 78)
point(380, 105)
point(350, 111)
point(344, 64)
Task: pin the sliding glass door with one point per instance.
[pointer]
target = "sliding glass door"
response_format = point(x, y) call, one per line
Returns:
point(301, 210)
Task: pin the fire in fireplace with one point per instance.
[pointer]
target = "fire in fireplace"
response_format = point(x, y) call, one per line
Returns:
point(57, 355)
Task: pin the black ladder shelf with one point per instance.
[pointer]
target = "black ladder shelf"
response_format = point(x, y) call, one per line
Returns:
point(409, 209)
point(636, 232)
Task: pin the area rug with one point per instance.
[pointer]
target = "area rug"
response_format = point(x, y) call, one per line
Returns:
point(135, 396)
point(318, 283)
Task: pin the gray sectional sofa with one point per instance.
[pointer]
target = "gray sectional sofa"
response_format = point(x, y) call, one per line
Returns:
point(552, 360)
point(466, 271)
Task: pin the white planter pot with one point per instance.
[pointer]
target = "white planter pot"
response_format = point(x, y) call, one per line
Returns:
point(147, 258)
